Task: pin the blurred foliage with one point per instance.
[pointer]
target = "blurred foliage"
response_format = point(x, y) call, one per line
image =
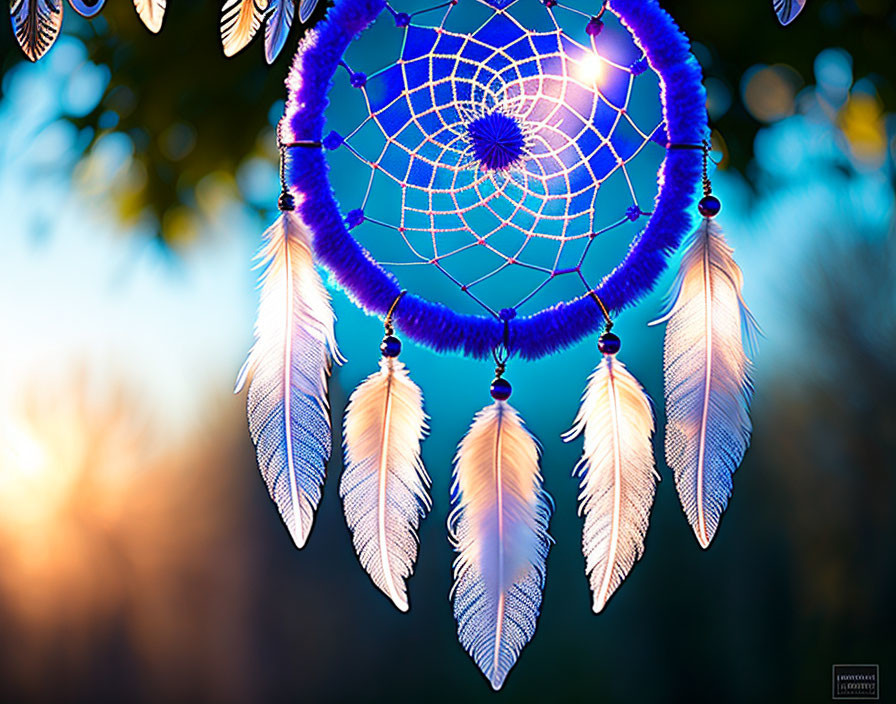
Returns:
point(191, 112)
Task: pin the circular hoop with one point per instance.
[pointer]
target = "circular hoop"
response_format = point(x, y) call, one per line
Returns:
point(433, 324)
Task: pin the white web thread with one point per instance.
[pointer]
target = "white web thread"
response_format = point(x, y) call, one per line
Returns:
point(555, 167)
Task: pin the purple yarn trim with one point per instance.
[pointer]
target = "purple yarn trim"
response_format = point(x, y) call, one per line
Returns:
point(433, 324)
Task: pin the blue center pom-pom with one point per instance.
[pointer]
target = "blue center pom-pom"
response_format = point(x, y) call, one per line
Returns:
point(497, 141)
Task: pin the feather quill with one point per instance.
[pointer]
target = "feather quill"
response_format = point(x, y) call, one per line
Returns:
point(708, 384)
point(306, 8)
point(618, 475)
point(36, 24)
point(240, 20)
point(277, 27)
point(151, 13)
point(498, 527)
point(87, 8)
point(787, 10)
point(385, 486)
point(289, 363)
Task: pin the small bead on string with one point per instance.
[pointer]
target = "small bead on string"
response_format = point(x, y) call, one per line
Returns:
point(285, 202)
point(501, 388)
point(607, 343)
point(709, 206)
point(391, 345)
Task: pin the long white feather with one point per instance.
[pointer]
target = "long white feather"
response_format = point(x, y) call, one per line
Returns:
point(295, 345)
point(708, 385)
point(277, 26)
point(499, 530)
point(151, 12)
point(618, 475)
point(36, 24)
point(240, 20)
point(385, 486)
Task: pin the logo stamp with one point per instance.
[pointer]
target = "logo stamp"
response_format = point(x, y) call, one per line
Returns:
point(856, 682)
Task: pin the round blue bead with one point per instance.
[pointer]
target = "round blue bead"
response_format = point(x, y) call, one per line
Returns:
point(501, 389)
point(402, 19)
point(391, 347)
point(332, 141)
point(594, 27)
point(710, 206)
point(609, 343)
point(354, 218)
point(358, 80)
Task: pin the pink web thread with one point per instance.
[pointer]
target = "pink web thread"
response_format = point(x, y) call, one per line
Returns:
point(446, 149)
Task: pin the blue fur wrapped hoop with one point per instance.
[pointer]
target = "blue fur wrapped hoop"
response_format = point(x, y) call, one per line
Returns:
point(478, 172)
point(372, 287)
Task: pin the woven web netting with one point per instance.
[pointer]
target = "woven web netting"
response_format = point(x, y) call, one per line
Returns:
point(495, 159)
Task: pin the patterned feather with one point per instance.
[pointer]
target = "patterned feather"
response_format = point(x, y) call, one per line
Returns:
point(294, 348)
point(87, 8)
point(708, 386)
point(385, 486)
point(277, 28)
point(306, 8)
point(618, 475)
point(240, 20)
point(36, 24)
point(787, 10)
point(151, 13)
point(499, 530)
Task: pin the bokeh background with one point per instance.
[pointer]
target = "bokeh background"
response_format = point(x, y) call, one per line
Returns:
point(140, 558)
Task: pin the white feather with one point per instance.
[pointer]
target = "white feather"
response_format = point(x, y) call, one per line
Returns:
point(277, 26)
point(289, 417)
point(306, 8)
point(787, 10)
point(708, 386)
point(151, 13)
point(240, 20)
point(618, 475)
point(36, 24)
point(499, 530)
point(385, 486)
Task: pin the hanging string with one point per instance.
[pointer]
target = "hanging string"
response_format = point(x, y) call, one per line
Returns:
point(603, 309)
point(285, 201)
point(387, 323)
point(501, 353)
point(707, 185)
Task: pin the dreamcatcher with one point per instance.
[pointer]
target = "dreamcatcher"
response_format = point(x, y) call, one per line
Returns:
point(503, 157)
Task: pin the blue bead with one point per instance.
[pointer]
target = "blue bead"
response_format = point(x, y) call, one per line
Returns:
point(332, 141)
point(640, 66)
point(391, 346)
point(594, 27)
point(358, 80)
point(507, 314)
point(402, 19)
point(710, 206)
point(609, 343)
point(633, 213)
point(501, 389)
point(354, 218)
point(497, 140)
